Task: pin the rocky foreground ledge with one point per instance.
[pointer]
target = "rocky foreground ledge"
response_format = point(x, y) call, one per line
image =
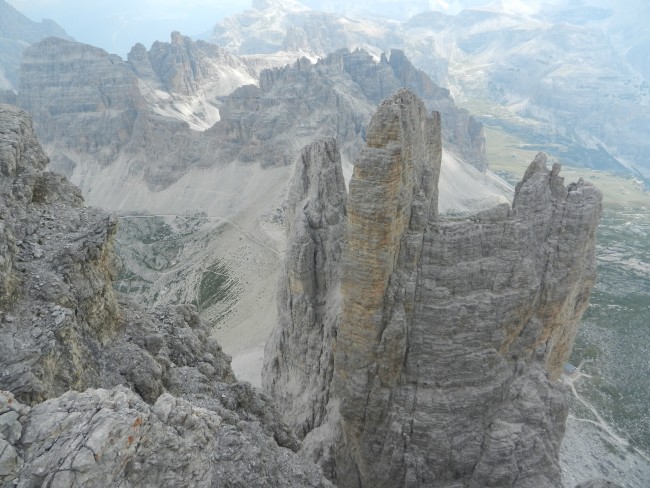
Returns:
point(414, 350)
point(100, 392)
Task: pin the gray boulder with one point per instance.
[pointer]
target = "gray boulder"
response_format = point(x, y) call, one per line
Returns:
point(113, 438)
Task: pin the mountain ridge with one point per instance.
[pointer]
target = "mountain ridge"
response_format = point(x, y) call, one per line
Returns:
point(543, 64)
point(414, 349)
point(16, 33)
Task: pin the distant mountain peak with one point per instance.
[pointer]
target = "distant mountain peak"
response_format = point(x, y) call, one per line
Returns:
point(278, 4)
point(16, 32)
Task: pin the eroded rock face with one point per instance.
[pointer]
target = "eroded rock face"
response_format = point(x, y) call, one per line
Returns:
point(179, 416)
point(185, 67)
point(451, 331)
point(309, 298)
point(114, 438)
point(100, 117)
point(83, 99)
point(16, 33)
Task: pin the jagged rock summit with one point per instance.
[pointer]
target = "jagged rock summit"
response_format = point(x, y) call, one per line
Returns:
point(424, 351)
point(95, 391)
point(104, 118)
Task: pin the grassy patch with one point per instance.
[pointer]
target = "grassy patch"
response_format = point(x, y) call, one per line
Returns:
point(216, 286)
point(509, 157)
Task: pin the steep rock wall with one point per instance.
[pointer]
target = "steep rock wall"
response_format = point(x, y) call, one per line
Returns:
point(309, 300)
point(16, 33)
point(451, 331)
point(100, 117)
point(83, 99)
point(186, 67)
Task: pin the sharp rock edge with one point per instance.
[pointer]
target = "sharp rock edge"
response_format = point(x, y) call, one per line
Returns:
point(432, 361)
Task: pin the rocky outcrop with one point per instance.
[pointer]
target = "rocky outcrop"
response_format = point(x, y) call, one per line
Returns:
point(62, 327)
point(451, 332)
point(90, 107)
point(564, 66)
point(100, 117)
point(461, 132)
point(101, 438)
point(335, 98)
point(309, 291)
point(186, 67)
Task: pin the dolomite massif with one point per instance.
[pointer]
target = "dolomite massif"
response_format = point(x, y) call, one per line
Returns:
point(414, 350)
point(94, 390)
point(535, 64)
point(16, 33)
point(100, 117)
point(388, 315)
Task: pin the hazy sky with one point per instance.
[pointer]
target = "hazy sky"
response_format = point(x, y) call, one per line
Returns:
point(116, 25)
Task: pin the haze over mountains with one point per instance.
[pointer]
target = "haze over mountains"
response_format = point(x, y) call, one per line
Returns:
point(572, 77)
point(194, 143)
point(534, 69)
point(16, 33)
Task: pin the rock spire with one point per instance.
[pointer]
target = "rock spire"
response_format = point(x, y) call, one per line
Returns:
point(451, 331)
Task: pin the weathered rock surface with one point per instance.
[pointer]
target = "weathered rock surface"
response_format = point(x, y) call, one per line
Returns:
point(83, 100)
point(90, 107)
point(235, 172)
point(555, 68)
point(334, 98)
point(309, 290)
point(451, 331)
point(461, 133)
point(186, 67)
point(100, 117)
point(184, 419)
point(184, 79)
point(113, 438)
point(16, 33)
point(600, 483)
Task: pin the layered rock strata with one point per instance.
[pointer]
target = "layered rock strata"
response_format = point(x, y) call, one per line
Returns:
point(16, 33)
point(186, 67)
point(83, 100)
point(163, 408)
point(100, 117)
point(451, 332)
point(309, 290)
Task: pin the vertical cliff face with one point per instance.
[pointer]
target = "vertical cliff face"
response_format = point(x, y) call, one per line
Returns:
point(55, 281)
point(451, 331)
point(185, 67)
point(16, 33)
point(309, 300)
point(83, 98)
point(393, 194)
point(460, 131)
